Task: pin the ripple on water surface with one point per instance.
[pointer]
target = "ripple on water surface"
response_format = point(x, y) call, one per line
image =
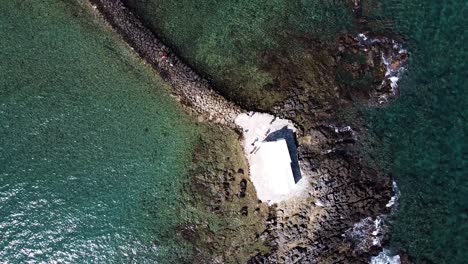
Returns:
point(93, 151)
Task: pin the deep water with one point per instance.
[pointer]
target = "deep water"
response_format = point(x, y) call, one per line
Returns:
point(424, 132)
point(93, 151)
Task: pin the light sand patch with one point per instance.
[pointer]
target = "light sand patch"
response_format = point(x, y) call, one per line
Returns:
point(269, 160)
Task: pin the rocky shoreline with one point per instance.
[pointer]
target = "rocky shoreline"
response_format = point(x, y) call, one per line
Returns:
point(344, 190)
point(192, 89)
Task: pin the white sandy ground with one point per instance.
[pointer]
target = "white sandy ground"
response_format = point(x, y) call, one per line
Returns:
point(269, 162)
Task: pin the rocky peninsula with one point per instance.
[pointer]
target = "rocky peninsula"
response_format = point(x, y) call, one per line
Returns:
point(333, 221)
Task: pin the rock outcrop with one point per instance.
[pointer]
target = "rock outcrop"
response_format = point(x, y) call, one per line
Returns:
point(343, 188)
point(343, 191)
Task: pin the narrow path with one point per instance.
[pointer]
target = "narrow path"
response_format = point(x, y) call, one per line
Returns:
point(192, 88)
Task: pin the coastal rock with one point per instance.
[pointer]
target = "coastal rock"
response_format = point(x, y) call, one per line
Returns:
point(343, 188)
point(194, 90)
point(312, 232)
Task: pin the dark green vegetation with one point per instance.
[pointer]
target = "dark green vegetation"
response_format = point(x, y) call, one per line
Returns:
point(94, 153)
point(242, 45)
point(425, 132)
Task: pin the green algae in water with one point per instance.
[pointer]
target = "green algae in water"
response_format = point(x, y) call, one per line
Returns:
point(424, 131)
point(227, 40)
point(93, 151)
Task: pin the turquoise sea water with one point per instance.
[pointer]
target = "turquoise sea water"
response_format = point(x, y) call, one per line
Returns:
point(93, 151)
point(424, 131)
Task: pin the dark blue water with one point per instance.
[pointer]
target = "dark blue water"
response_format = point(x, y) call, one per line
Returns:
point(424, 133)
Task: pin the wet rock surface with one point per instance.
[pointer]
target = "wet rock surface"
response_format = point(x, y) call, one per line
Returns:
point(312, 230)
point(360, 69)
point(344, 189)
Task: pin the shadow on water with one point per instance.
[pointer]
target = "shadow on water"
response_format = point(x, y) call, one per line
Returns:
point(291, 141)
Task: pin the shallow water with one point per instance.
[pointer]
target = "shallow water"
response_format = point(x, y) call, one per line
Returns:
point(93, 152)
point(228, 40)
